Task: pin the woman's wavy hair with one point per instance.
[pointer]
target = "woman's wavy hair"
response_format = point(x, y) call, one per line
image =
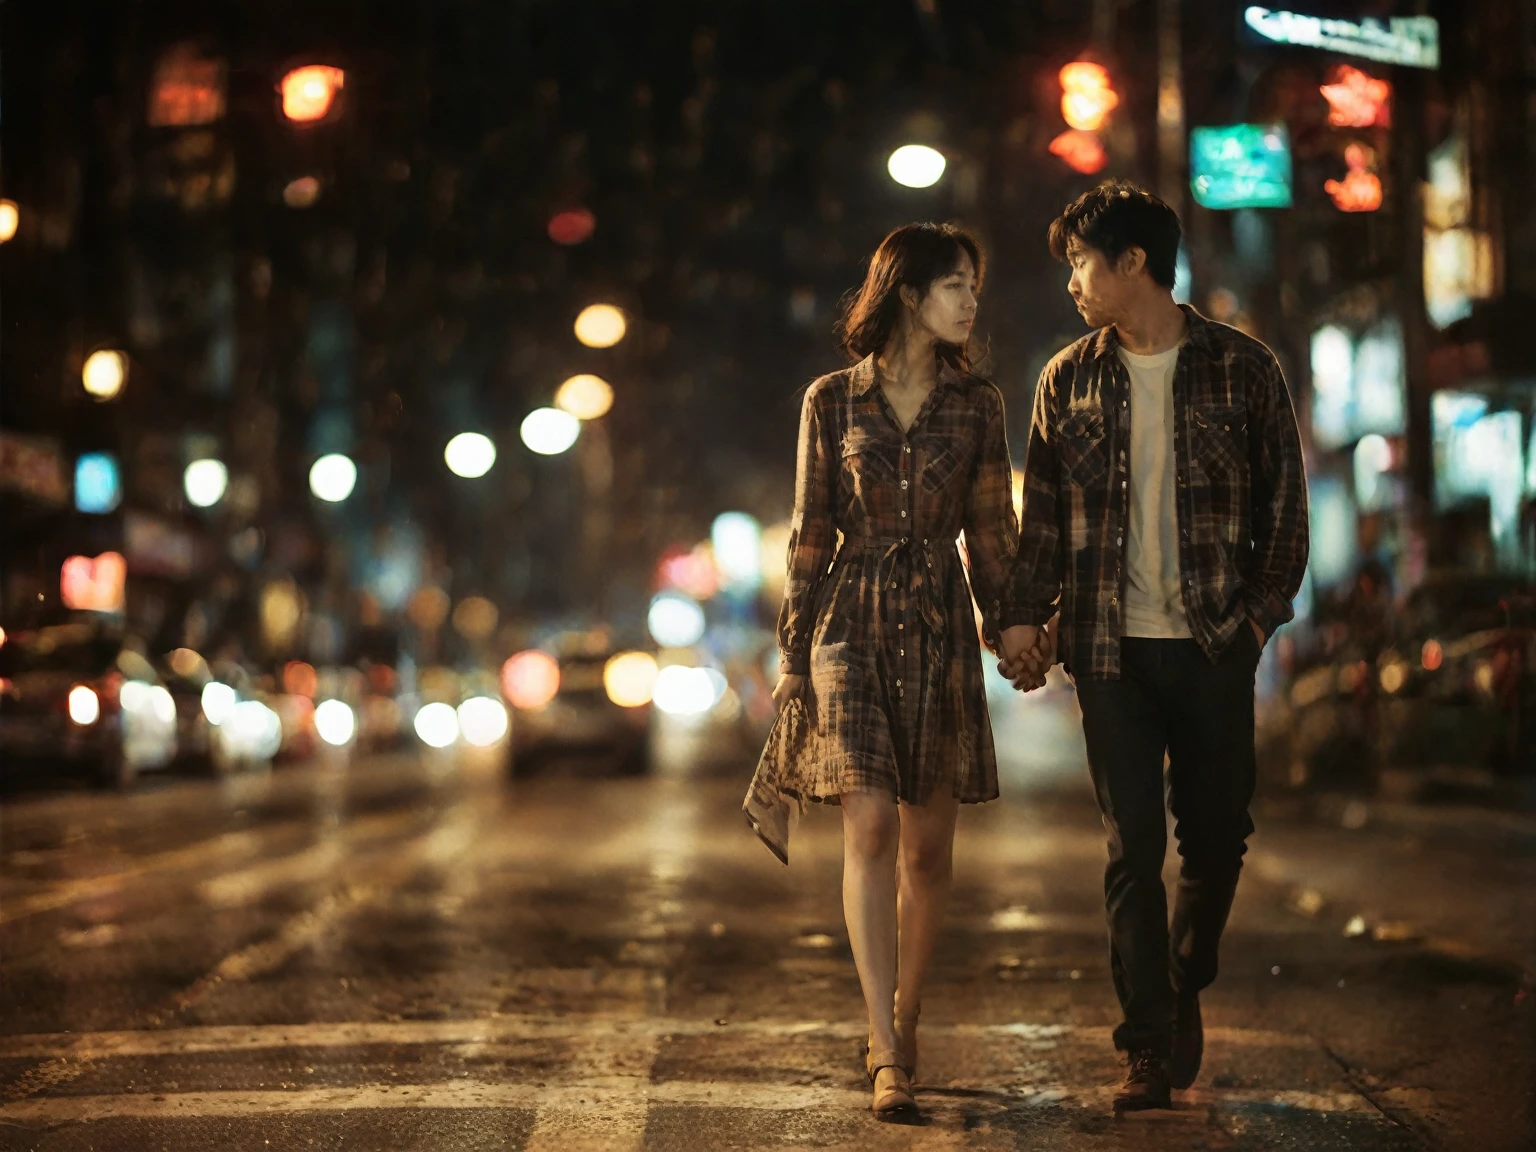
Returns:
point(915, 255)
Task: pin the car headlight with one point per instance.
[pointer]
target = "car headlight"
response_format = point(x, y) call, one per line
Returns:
point(84, 705)
point(335, 722)
point(218, 702)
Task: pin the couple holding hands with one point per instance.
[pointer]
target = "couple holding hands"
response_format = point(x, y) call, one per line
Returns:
point(1164, 534)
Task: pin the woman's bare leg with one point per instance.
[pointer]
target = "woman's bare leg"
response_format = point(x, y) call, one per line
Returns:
point(870, 830)
point(927, 853)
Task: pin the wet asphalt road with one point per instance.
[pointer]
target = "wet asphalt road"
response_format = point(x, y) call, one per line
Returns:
point(413, 953)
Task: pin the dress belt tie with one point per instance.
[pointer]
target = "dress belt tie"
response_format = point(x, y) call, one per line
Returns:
point(926, 579)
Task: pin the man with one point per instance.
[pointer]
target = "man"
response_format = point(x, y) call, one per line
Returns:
point(1164, 536)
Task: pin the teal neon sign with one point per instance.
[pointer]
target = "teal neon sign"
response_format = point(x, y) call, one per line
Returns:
point(1240, 166)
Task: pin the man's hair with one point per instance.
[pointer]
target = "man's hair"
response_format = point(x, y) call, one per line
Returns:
point(1117, 216)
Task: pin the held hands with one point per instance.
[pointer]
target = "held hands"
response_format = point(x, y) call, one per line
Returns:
point(1028, 653)
point(786, 690)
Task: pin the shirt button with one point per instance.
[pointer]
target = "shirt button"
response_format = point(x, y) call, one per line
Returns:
point(1119, 539)
point(903, 539)
point(903, 483)
point(907, 448)
point(901, 627)
point(903, 651)
point(898, 683)
point(893, 585)
point(903, 513)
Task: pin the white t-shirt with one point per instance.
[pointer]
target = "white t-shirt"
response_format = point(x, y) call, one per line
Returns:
point(1154, 606)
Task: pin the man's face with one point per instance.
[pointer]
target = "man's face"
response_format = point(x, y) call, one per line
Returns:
point(1098, 287)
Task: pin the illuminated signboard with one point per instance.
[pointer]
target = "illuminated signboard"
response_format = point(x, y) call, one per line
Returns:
point(1410, 40)
point(1240, 166)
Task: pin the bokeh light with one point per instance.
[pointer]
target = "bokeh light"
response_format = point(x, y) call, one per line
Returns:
point(332, 477)
point(10, 218)
point(469, 454)
point(600, 326)
point(483, 721)
point(309, 92)
point(300, 678)
point(682, 691)
point(218, 702)
point(530, 679)
point(916, 166)
point(675, 620)
point(573, 226)
point(475, 618)
point(84, 705)
point(335, 722)
point(301, 192)
point(736, 539)
point(630, 678)
point(105, 373)
point(585, 397)
point(549, 431)
point(1086, 95)
point(437, 725)
point(98, 483)
point(205, 482)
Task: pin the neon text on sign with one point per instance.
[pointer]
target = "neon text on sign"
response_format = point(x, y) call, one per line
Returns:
point(1410, 40)
point(1356, 100)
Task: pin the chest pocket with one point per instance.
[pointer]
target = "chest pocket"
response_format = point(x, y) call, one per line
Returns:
point(1221, 439)
point(1084, 449)
point(942, 463)
point(869, 463)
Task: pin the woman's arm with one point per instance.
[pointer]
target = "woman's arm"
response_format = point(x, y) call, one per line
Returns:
point(991, 526)
point(812, 537)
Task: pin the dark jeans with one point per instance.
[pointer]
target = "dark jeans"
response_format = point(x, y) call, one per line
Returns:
point(1170, 698)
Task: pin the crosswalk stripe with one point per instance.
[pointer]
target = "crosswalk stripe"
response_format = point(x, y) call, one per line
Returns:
point(611, 1096)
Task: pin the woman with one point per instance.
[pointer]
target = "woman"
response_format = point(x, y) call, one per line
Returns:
point(897, 454)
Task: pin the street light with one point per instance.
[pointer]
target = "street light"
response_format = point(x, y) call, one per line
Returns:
point(205, 482)
point(916, 166)
point(549, 431)
point(585, 397)
point(10, 217)
point(600, 326)
point(333, 477)
point(104, 373)
point(469, 454)
point(309, 92)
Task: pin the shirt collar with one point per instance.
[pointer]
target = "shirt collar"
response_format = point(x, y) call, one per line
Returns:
point(1197, 333)
point(862, 375)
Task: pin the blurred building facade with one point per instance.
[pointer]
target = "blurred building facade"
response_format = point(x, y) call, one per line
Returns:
point(408, 265)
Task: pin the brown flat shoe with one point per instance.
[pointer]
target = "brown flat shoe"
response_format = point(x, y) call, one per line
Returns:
point(893, 1097)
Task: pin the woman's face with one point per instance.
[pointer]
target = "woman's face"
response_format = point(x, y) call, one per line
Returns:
point(949, 309)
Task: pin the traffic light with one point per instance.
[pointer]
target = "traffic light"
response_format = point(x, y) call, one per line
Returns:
point(1087, 99)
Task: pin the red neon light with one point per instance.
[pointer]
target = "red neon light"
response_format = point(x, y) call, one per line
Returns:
point(1360, 190)
point(1081, 150)
point(1086, 95)
point(1356, 100)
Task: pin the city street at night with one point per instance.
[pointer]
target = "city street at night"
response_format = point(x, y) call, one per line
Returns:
point(410, 952)
point(616, 576)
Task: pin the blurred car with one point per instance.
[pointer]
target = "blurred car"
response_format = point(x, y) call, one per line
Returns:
point(1460, 674)
point(223, 725)
point(72, 695)
point(579, 697)
point(1448, 681)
